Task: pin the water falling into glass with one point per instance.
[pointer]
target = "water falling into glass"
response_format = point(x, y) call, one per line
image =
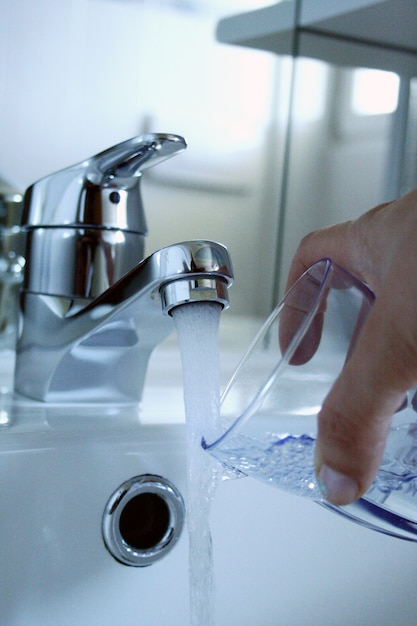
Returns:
point(198, 330)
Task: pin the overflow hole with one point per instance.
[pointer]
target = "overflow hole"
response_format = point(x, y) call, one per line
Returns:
point(144, 521)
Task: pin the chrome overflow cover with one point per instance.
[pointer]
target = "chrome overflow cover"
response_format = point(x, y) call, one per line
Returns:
point(143, 520)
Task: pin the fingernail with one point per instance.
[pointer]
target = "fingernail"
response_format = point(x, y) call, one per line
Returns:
point(336, 487)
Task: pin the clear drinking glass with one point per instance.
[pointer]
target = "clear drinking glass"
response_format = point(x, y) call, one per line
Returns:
point(269, 407)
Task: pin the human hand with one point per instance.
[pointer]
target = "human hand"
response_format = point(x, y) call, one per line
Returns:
point(379, 248)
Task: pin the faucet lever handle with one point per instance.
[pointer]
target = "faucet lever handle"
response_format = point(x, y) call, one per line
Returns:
point(127, 160)
point(78, 196)
point(85, 225)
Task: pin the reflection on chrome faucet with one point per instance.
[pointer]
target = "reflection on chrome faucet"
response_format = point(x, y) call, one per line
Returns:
point(92, 307)
point(12, 262)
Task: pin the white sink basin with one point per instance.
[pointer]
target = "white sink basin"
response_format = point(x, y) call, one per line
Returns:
point(278, 559)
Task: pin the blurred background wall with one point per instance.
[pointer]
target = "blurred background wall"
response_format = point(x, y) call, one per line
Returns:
point(78, 76)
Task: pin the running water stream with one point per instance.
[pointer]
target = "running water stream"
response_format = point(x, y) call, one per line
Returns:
point(198, 330)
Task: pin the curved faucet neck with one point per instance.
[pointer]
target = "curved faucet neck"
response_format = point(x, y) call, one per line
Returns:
point(77, 350)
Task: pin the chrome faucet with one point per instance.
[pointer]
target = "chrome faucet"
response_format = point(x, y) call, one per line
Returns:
point(92, 307)
point(12, 261)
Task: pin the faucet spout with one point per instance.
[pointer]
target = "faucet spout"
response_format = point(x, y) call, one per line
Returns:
point(83, 350)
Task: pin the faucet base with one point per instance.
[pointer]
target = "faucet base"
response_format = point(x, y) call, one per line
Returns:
point(108, 365)
point(78, 350)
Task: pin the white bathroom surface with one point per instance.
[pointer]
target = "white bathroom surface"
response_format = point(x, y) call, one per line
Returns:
point(279, 560)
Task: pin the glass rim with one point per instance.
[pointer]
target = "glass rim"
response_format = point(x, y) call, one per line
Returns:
point(259, 396)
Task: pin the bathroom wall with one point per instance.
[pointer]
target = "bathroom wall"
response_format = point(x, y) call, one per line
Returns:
point(80, 75)
point(338, 161)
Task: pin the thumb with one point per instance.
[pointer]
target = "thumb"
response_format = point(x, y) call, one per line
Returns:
point(355, 419)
